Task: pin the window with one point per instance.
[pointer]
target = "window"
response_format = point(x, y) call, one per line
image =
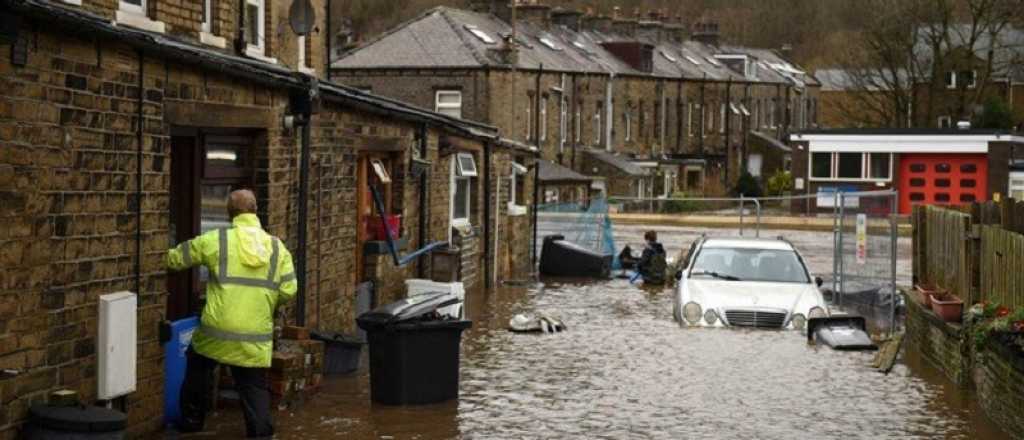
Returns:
point(945, 122)
point(303, 59)
point(255, 23)
point(968, 168)
point(133, 6)
point(563, 122)
point(544, 119)
point(754, 162)
point(643, 120)
point(968, 77)
point(968, 183)
point(917, 182)
point(942, 183)
point(549, 43)
point(943, 168)
point(380, 170)
point(629, 126)
point(597, 125)
point(463, 170)
point(850, 166)
point(942, 197)
point(449, 102)
point(466, 165)
point(951, 80)
point(529, 118)
point(516, 190)
point(207, 16)
point(771, 113)
point(880, 165)
point(916, 197)
point(579, 122)
point(967, 198)
point(703, 128)
point(918, 167)
point(722, 114)
point(479, 34)
point(821, 165)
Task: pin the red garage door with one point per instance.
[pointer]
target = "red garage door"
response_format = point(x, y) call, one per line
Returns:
point(942, 179)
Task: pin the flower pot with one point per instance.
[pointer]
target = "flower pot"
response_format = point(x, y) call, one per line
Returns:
point(927, 291)
point(949, 308)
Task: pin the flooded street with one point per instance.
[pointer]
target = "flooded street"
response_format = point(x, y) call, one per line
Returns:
point(625, 370)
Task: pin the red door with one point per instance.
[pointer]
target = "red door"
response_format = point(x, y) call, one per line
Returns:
point(942, 179)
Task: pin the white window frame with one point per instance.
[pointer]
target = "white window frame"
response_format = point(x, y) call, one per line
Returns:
point(974, 79)
point(514, 208)
point(703, 119)
point(951, 79)
point(662, 121)
point(139, 9)
point(459, 173)
point(563, 123)
point(439, 106)
point(260, 48)
point(865, 170)
point(543, 119)
point(597, 127)
point(207, 16)
point(579, 124)
point(640, 193)
point(529, 119)
point(723, 113)
point(948, 122)
point(629, 127)
point(304, 64)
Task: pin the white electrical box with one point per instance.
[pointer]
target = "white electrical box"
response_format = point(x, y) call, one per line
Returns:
point(116, 349)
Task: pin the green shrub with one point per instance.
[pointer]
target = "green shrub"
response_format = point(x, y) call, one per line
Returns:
point(779, 183)
point(681, 206)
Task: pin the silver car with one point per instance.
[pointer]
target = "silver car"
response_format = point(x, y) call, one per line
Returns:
point(746, 282)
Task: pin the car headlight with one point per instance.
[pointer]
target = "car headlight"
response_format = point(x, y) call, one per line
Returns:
point(691, 312)
point(817, 312)
point(710, 317)
point(798, 321)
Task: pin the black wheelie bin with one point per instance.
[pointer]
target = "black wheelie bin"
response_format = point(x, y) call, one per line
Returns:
point(414, 350)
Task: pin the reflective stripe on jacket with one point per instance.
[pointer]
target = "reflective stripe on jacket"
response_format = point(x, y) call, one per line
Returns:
point(251, 273)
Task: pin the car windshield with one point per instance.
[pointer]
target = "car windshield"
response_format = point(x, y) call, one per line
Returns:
point(738, 264)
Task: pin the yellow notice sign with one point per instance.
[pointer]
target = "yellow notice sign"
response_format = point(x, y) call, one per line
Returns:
point(862, 238)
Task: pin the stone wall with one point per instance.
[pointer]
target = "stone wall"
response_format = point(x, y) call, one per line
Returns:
point(999, 378)
point(942, 344)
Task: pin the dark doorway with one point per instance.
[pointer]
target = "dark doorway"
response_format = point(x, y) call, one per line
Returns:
point(206, 165)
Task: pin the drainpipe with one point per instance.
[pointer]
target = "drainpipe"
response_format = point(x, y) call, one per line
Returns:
point(303, 214)
point(421, 138)
point(497, 226)
point(680, 107)
point(575, 110)
point(744, 129)
point(536, 195)
point(787, 116)
point(703, 116)
point(728, 122)
point(139, 128)
point(488, 169)
point(240, 38)
point(327, 62)
point(609, 112)
point(536, 174)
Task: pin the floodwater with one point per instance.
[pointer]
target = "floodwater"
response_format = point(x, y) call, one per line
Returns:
point(625, 370)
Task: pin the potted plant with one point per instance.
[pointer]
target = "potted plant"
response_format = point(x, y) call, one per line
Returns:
point(948, 307)
point(927, 290)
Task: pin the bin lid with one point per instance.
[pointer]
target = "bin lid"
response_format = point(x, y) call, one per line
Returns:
point(77, 418)
point(406, 309)
point(336, 338)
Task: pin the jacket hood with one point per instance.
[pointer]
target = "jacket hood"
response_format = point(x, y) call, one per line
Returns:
point(254, 244)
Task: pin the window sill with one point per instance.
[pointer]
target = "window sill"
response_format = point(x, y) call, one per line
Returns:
point(308, 71)
point(257, 54)
point(213, 40)
point(139, 21)
point(74, 2)
point(516, 210)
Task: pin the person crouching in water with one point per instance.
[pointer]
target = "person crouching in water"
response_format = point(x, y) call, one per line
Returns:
point(652, 263)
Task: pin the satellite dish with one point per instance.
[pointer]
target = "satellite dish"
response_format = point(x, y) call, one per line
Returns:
point(302, 17)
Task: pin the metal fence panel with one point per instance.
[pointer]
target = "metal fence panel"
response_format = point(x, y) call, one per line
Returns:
point(866, 253)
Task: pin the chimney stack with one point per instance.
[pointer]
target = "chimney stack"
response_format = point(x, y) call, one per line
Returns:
point(536, 14)
point(599, 23)
point(625, 27)
point(651, 31)
point(707, 33)
point(567, 17)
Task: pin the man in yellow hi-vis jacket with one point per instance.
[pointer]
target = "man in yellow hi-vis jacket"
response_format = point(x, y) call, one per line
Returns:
point(251, 273)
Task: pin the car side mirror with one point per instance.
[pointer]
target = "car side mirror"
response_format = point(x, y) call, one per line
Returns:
point(819, 281)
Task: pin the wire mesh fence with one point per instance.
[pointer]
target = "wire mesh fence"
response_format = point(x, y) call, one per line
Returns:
point(865, 262)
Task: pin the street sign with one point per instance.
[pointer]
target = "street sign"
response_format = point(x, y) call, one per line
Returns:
point(862, 238)
point(301, 17)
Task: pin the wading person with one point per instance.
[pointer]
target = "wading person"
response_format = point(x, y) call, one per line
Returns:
point(652, 263)
point(251, 274)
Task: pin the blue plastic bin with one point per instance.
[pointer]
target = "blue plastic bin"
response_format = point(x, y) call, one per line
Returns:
point(174, 365)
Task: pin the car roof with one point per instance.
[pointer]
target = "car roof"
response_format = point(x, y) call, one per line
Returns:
point(749, 243)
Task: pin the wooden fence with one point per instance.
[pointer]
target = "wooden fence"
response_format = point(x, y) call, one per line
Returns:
point(976, 251)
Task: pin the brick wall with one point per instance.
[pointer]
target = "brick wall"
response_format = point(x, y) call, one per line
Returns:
point(999, 380)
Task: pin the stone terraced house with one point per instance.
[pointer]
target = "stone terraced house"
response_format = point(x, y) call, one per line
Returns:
point(125, 123)
point(685, 109)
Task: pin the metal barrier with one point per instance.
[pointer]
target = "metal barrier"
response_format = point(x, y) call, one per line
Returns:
point(866, 243)
point(662, 205)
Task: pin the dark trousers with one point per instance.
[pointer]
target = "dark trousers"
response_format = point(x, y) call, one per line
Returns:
point(251, 384)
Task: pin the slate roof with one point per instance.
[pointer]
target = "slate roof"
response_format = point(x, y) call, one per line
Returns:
point(771, 141)
point(260, 72)
point(445, 38)
point(623, 164)
point(1007, 48)
point(553, 172)
point(833, 80)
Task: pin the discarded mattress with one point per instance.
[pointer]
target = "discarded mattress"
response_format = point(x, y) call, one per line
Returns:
point(840, 333)
point(566, 259)
point(535, 324)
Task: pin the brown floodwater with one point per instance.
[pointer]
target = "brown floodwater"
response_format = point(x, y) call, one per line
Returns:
point(625, 370)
